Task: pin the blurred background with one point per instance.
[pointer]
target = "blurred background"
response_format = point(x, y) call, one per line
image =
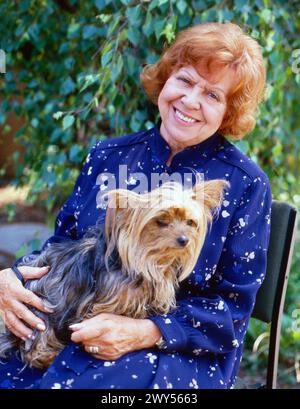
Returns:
point(69, 75)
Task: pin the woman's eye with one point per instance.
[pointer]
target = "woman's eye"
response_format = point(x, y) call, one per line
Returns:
point(214, 96)
point(190, 222)
point(162, 223)
point(184, 80)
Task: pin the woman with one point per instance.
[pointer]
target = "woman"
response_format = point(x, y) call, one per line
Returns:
point(207, 85)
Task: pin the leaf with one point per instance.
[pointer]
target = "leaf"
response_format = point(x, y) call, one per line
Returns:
point(277, 150)
point(22, 250)
point(153, 4)
point(74, 153)
point(133, 36)
point(134, 15)
point(168, 31)
point(100, 4)
point(266, 15)
point(158, 28)
point(162, 2)
point(88, 80)
point(34, 122)
point(67, 87)
point(106, 58)
point(73, 30)
point(90, 31)
point(50, 178)
point(131, 65)
point(239, 4)
point(57, 115)
point(148, 25)
point(68, 121)
point(113, 25)
point(181, 6)
point(117, 68)
point(2, 118)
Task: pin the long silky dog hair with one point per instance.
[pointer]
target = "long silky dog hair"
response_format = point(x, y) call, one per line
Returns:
point(131, 265)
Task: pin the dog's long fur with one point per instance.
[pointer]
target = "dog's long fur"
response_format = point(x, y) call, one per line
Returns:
point(128, 267)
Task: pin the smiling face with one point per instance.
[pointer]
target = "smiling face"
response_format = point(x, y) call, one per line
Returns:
point(192, 104)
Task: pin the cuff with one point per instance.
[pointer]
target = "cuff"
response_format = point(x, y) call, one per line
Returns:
point(26, 259)
point(172, 331)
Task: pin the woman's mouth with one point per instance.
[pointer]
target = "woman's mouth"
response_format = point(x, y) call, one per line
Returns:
point(183, 119)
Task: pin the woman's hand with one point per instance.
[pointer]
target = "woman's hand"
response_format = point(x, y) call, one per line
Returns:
point(115, 335)
point(13, 296)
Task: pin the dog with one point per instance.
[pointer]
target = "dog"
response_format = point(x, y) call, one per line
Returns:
point(130, 265)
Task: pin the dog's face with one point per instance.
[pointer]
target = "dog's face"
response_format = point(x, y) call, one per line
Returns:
point(162, 228)
point(172, 229)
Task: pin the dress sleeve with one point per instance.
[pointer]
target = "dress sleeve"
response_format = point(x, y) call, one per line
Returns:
point(215, 318)
point(65, 225)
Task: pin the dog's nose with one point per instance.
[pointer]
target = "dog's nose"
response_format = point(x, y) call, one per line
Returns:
point(182, 240)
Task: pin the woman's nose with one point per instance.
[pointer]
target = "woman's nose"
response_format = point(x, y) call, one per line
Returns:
point(192, 99)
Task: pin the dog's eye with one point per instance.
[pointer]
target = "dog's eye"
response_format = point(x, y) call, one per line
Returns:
point(190, 222)
point(162, 223)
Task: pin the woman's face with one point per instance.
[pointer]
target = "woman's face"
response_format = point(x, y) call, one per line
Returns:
point(192, 104)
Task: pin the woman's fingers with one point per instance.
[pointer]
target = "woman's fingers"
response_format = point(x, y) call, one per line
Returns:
point(12, 296)
point(85, 332)
point(27, 316)
point(15, 325)
point(28, 297)
point(102, 353)
point(33, 272)
point(15, 332)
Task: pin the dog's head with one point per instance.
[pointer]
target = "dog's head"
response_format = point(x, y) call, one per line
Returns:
point(161, 232)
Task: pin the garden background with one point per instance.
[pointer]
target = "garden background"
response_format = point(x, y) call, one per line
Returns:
point(72, 77)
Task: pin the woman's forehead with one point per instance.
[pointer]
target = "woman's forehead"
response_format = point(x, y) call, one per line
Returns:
point(217, 75)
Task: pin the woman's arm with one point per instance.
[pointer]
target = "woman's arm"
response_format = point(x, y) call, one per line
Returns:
point(216, 319)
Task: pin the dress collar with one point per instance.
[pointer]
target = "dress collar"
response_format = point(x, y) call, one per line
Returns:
point(188, 156)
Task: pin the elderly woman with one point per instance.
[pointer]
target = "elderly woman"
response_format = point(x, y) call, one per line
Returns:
point(207, 85)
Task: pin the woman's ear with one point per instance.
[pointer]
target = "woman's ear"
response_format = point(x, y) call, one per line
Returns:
point(210, 193)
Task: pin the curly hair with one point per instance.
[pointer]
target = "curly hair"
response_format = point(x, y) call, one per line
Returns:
point(221, 43)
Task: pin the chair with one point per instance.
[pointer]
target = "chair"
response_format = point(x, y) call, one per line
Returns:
point(270, 297)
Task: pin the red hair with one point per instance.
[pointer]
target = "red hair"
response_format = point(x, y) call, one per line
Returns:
point(221, 43)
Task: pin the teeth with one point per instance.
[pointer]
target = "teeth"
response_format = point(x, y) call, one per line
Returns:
point(184, 118)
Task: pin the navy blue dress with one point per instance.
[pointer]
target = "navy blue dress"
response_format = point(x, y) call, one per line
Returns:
point(205, 334)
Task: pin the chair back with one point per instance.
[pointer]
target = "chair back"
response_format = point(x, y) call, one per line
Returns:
point(271, 295)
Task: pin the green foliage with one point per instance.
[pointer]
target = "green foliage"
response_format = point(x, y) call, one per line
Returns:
point(75, 68)
point(73, 76)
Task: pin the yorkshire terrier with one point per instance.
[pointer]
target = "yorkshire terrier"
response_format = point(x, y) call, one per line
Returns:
point(132, 265)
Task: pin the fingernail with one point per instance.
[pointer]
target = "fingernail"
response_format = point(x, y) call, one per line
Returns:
point(45, 268)
point(75, 326)
point(24, 339)
point(41, 327)
point(30, 336)
point(46, 309)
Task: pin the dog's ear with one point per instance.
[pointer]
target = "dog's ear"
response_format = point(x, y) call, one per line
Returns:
point(210, 193)
point(120, 203)
point(121, 199)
